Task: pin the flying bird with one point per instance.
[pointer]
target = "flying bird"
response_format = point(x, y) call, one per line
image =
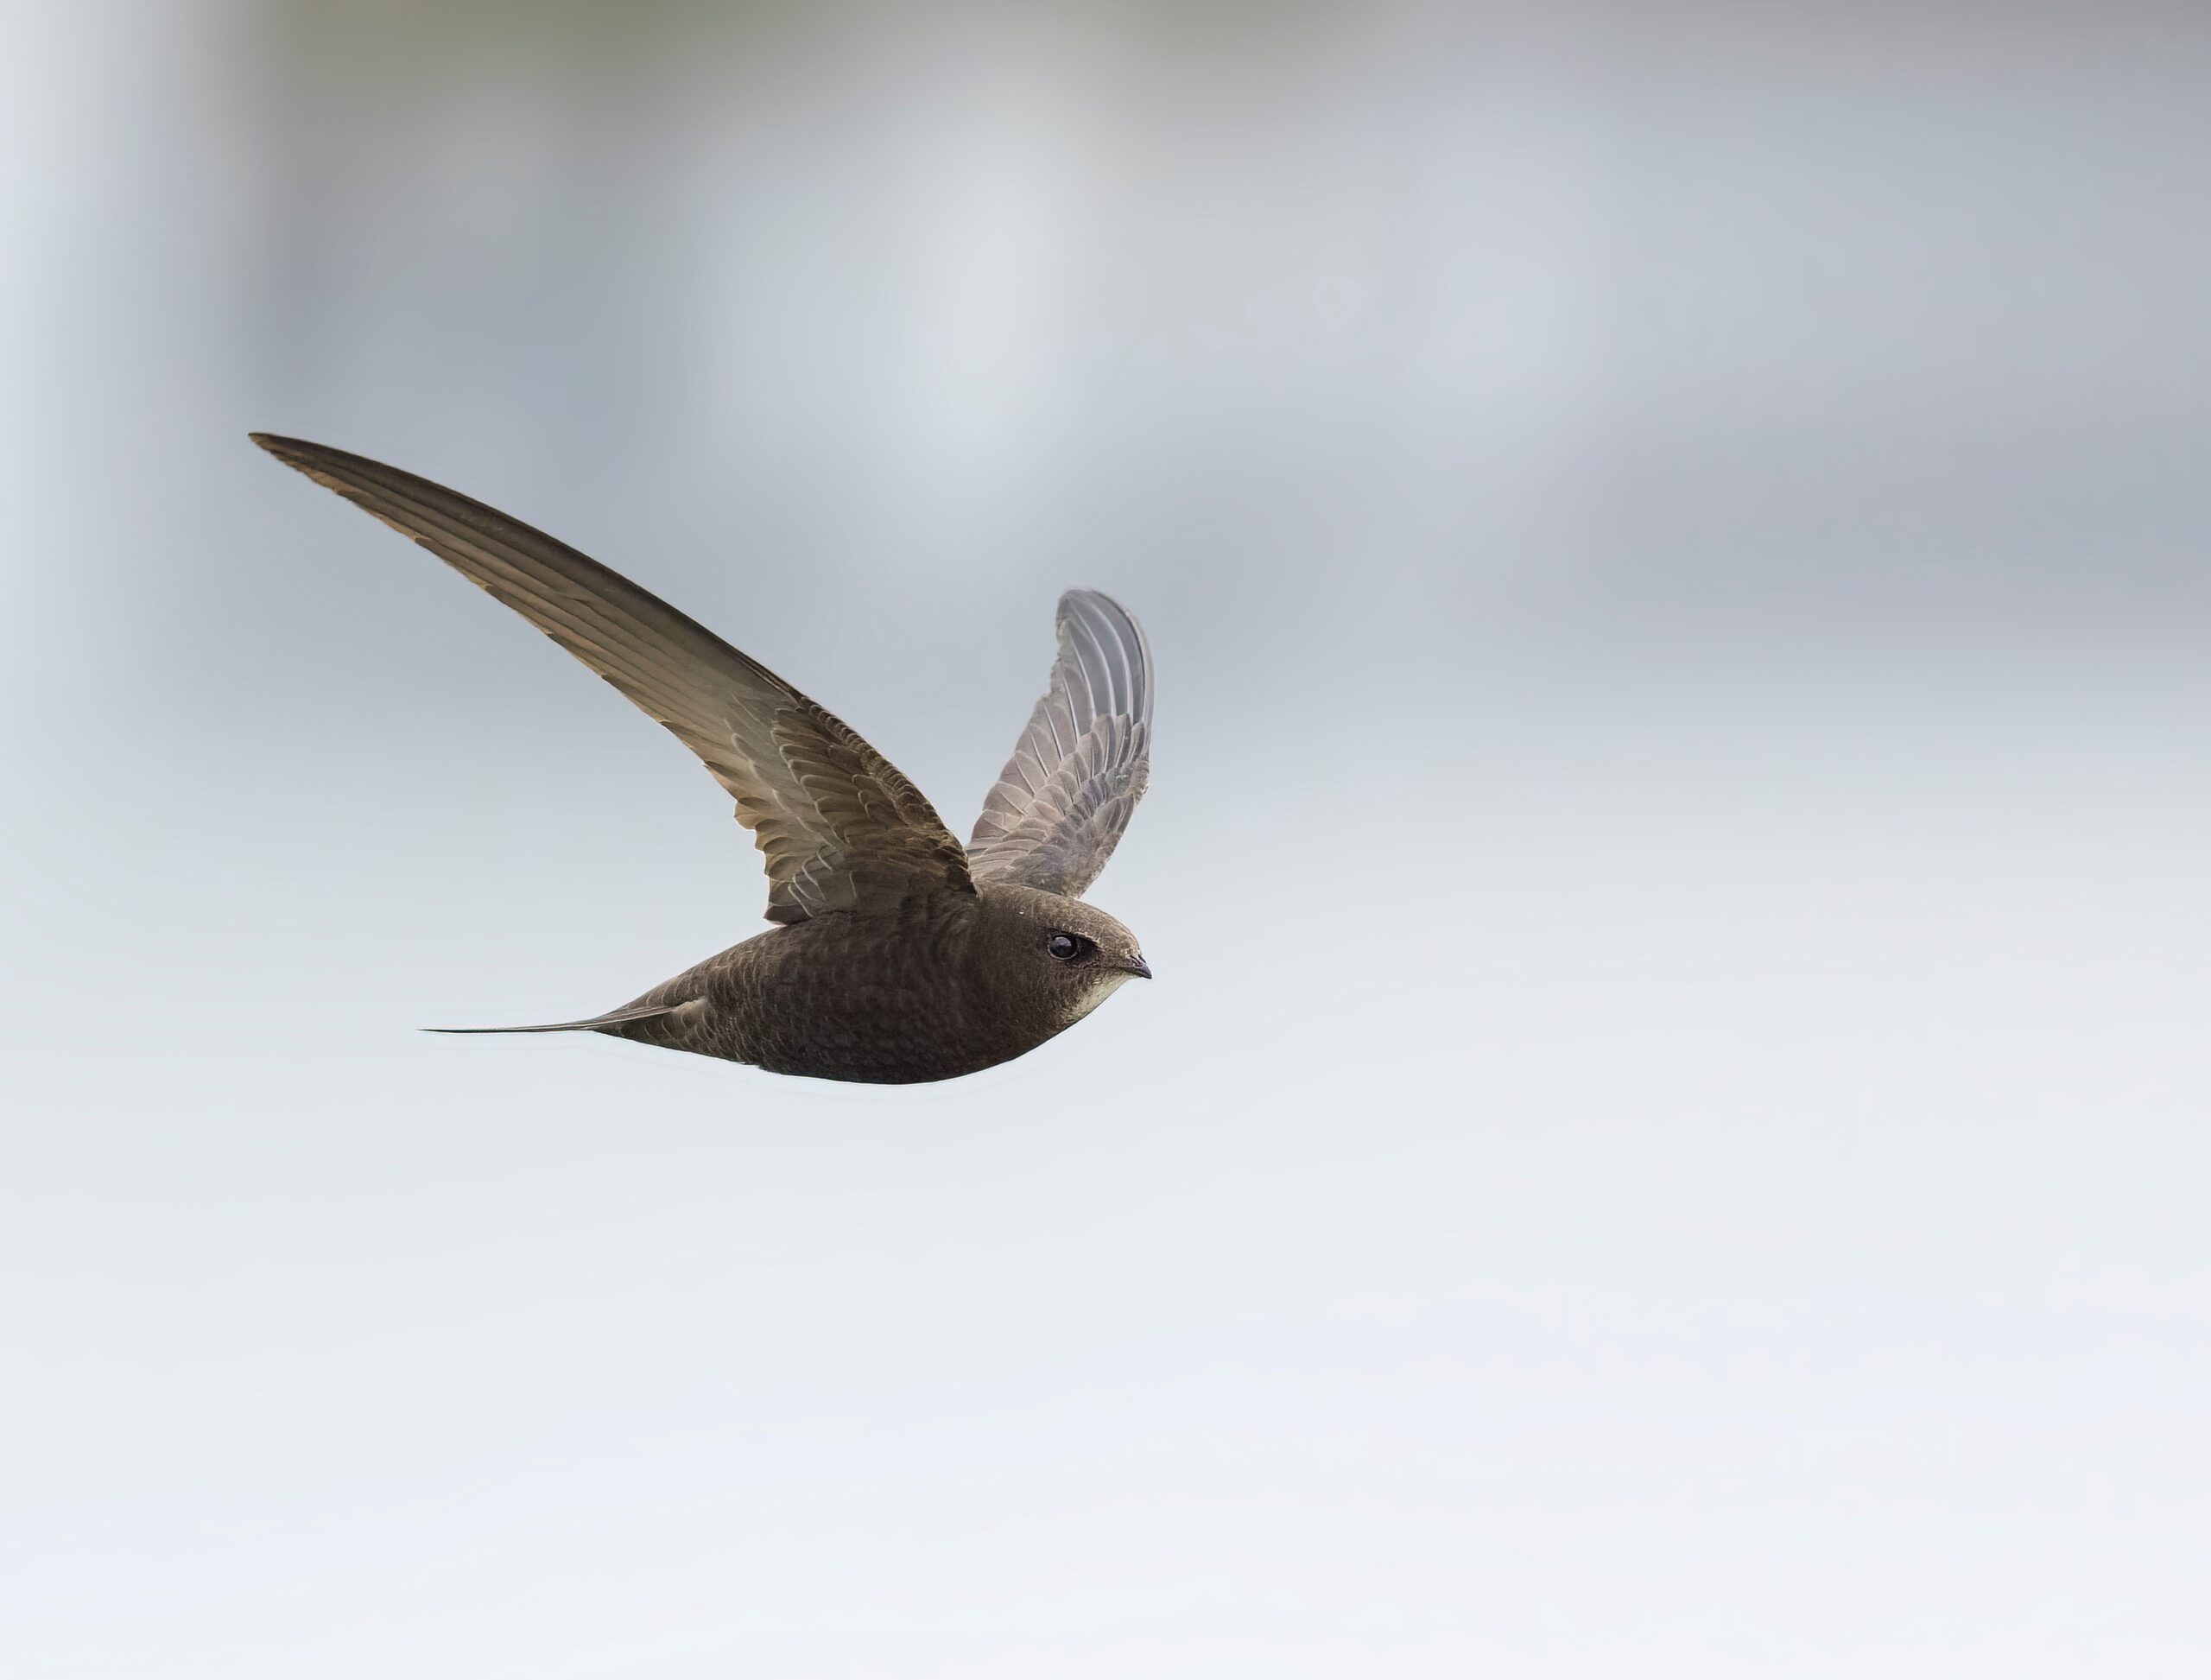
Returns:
point(899, 955)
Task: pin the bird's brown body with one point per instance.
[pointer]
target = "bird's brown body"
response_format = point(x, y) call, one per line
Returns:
point(901, 956)
point(931, 988)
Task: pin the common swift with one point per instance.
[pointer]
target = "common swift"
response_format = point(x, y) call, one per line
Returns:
point(899, 955)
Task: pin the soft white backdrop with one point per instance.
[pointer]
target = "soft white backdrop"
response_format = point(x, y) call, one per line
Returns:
point(1669, 1133)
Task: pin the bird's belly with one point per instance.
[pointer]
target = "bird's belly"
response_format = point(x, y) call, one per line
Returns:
point(883, 1042)
point(890, 1017)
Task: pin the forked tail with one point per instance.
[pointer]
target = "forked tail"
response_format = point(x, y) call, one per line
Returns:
point(612, 1018)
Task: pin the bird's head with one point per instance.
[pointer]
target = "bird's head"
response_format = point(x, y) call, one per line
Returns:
point(1067, 955)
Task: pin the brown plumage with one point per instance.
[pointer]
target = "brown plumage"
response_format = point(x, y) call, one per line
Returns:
point(901, 956)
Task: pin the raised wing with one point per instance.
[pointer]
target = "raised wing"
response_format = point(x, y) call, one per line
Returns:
point(1073, 780)
point(841, 828)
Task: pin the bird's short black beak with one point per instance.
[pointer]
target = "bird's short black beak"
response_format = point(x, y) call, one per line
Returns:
point(1140, 967)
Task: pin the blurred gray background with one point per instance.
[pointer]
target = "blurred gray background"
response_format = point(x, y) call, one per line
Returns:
point(1670, 1133)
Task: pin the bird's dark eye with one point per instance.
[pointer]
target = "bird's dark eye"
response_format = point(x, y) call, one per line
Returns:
point(1069, 948)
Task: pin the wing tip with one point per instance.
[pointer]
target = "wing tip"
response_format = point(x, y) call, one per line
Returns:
point(1105, 617)
point(1083, 596)
point(296, 452)
point(1072, 601)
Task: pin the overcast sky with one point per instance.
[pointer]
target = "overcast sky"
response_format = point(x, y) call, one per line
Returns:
point(1669, 1133)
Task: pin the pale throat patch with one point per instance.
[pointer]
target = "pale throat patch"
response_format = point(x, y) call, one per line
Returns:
point(1098, 993)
